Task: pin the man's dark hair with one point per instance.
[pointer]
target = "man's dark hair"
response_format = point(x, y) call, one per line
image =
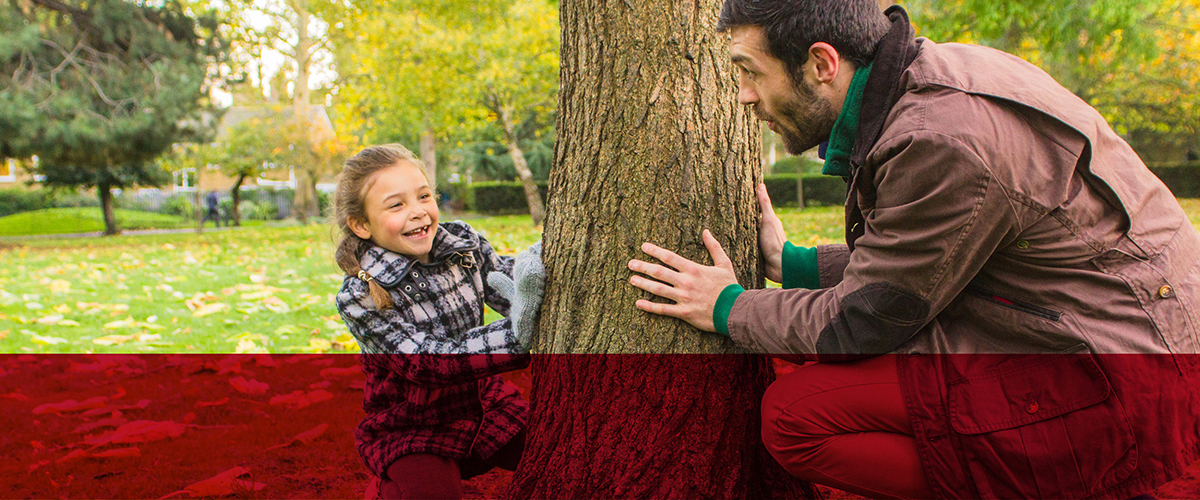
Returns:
point(852, 27)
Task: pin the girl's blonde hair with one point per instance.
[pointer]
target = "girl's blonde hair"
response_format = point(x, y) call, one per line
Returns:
point(349, 202)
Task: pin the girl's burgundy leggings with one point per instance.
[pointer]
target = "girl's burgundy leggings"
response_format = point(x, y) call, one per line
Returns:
point(432, 477)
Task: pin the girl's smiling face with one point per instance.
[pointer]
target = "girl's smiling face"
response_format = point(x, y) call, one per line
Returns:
point(402, 213)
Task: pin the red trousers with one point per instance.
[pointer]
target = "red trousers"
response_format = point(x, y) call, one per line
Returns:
point(429, 477)
point(844, 425)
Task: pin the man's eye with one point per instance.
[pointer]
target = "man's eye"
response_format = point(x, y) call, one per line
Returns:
point(394, 205)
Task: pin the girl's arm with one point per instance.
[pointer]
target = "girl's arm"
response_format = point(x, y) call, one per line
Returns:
point(432, 360)
point(494, 263)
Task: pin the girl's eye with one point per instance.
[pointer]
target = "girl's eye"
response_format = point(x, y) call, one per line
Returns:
point(394, 205)
point(426, 196)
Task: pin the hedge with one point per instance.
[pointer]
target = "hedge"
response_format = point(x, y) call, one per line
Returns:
point(509, 197)
point(498, 198)
point(819, 190)
point(1183, 179)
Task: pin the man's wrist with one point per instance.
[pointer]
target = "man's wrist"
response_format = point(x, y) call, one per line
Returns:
point(799, 267)
point(723, 307)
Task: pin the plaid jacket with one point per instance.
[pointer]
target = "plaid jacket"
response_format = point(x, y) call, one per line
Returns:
point(431, 365)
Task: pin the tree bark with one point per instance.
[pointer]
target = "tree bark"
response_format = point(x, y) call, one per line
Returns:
point(511, 140)
point(303, 56)
point(652, 146)
point(106, 205)
point(429, 155)
point(235, 194)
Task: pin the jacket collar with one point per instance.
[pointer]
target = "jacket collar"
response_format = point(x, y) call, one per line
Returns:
point(841, 139)
point(896, 51)
point(451, 240)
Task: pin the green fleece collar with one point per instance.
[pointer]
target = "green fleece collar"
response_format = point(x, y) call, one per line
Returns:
point(841, 139)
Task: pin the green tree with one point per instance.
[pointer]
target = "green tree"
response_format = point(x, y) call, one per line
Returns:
point(1136, 61)
point(242, 152)
point(98, 89)
point(442, 70)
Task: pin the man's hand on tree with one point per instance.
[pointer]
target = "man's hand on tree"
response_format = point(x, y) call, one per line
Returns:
point(771, 237)
point(693, 287)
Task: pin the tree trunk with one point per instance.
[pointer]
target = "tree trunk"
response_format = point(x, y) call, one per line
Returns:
point(303, 56)
point(652, 146)
point(235, 194)
point(106, 205)
point(305, 201)
point(429, 155)
point(536, 208)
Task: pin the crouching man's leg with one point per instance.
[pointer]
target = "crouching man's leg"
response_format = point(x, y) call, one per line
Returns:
point(844, 425)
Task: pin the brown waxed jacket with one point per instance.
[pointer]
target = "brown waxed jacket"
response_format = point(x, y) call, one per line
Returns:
point(993, 214)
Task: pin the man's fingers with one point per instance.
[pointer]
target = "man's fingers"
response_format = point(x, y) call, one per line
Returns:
point(668, 257)
point(764, 201)
point(654, 271)
point(720, 259)
point(673, 310)
point(654, 287)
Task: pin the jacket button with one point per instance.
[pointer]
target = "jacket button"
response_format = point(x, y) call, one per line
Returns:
point(1166, 291)
point(1023, 244)
point(1031, 407)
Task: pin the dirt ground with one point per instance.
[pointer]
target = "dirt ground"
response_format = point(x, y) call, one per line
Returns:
point(184, 426)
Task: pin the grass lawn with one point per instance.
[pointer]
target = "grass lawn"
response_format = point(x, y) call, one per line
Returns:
point(83, 220)
point(259, 289)
point(90, 220)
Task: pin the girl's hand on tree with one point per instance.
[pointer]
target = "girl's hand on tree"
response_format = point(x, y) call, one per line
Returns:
point(771, 237)
point(693, 287)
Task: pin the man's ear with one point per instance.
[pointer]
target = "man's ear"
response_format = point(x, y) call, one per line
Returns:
point(826, 62)
point(359, 227)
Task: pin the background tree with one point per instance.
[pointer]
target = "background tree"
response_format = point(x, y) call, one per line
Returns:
point(296, 32)
point(653, 147)
point(1136, 61)
point(244, 152)
point(447, 72)
point(98, 89)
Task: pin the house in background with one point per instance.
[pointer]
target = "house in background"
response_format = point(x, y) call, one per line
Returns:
point(212, 178)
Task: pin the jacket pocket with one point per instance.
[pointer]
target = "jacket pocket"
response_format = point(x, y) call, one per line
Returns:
point(1042, 426)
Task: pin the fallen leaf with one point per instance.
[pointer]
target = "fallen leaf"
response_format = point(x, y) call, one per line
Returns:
point(71, 406)
point(251, 387)
point(219, 485)
point(71, 457)
point(300, 399)
point(132, 452)
point(305, 437)
point(204, 404)
point(139, 431)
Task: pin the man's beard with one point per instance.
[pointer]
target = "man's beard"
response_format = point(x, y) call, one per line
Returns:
point(804, 120)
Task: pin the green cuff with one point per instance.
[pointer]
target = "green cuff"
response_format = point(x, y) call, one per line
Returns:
point(800, 267)
point(725, 304)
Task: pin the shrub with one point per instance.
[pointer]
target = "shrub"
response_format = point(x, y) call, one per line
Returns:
point(20, 200)
point(819, 190)
point(1183, 178)
point(502, 197)
point(796, 165)
point(179, 205)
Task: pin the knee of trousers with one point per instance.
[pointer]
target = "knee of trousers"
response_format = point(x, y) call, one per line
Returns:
point(787, 430)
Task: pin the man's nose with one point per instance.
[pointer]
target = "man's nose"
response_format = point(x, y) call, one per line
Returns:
point(747, 95)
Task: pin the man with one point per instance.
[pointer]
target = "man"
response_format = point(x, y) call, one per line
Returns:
point(1002, 242)
point(214, 211)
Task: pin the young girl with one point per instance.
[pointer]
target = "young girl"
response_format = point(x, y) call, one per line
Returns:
point(413, 296)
